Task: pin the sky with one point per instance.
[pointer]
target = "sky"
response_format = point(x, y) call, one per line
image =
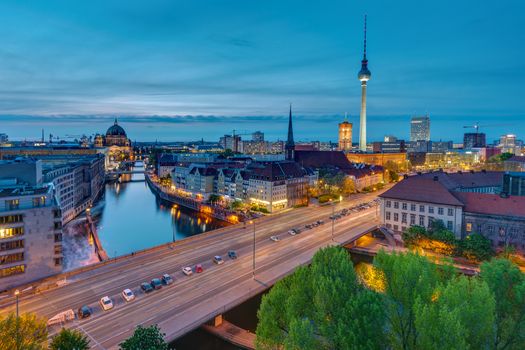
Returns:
point(183, 70)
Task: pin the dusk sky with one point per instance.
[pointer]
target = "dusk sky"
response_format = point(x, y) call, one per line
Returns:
point(182, 70)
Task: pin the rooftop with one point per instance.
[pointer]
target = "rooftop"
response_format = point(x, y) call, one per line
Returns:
point(492, 204)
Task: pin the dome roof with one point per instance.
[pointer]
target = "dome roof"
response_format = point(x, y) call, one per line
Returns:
point(115, 130)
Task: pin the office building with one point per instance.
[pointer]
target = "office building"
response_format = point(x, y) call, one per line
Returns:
point(230, 142)
point(474, 140)
point(345, 136)
point(420, 128)
point(390, 138)
point(509, 144)
point(397, 146)
point(420, 146)
point(441, 146)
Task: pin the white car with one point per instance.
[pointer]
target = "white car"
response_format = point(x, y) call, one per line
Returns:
point(275, 238)
point(291, 232)
point(128, 295)
point(106, 303)
point(187, 270)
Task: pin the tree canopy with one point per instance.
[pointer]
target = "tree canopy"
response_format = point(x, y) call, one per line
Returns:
point(29, 331)
point(145, 338)
point(69, 339)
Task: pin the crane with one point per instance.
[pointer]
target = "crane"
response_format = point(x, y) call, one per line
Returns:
point(475, 127)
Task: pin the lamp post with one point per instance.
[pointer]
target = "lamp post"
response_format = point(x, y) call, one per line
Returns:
point(333, 218)
point(253, 261)
point(17, 293)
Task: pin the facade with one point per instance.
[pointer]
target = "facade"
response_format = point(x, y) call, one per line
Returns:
point(508, 144)
point(345, 136)
point(397, 146)
point(230, 142)
point(253, 147)
point(474, 140)
point(420, 146)
point(21, 170)
point(441, 146)
point(3, 138)
point(515, 163)
point(420, 128)
point(258, 136)
point(514, 184)
point(378, 159)
point(30, 235)
point(466, 203)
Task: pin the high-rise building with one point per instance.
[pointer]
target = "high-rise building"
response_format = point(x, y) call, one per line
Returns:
point(258, 136)
point(289, 146)
point(363, 76)
point(230, 142)
point(474, 140)
point(507, 143)
point(3, 138)
point(345, 136)
point(420, 128)
point(390, 138)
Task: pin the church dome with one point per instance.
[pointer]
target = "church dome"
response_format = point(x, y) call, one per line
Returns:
point(115, 130)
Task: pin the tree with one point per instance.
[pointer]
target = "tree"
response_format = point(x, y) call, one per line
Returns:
point(69, 339)
point(29, 331)
point(507, 283)
point(145, 338)
point(463, 309)
point(408, 278)
point(321, 307)
point(476, 247)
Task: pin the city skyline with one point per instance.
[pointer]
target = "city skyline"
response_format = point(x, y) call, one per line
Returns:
point(98, 60)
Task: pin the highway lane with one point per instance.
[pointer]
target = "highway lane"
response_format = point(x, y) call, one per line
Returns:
point(112, 278)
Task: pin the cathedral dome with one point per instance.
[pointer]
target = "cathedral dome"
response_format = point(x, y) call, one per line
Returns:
point(116, 130)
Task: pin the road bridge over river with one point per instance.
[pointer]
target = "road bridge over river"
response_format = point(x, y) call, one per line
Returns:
point(192, 300)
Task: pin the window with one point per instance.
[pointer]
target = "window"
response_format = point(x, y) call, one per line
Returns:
point(11, 245)
point(449, 225)
point(396, 228)
point(11, 232)
point(14, 270)
point(421, 220)
point(389, 225)
point(11, 219)
point(468, 227)
point(58, 249)
point(388, 215)
point(404, 218)
point(12, 204)
point(58, 237)
point(58, 225)
point(421, 208)
point(441, 211)
point(430, 210)
point(388, 204)
point(396, 205)
point(412, 219)
point(404, 206)
point(58, 261)
point(450, 212)
point(412, 207)
point(11, 258)
point(430, 220)
point(39, 201)
point(396, 217)
point(490, 229)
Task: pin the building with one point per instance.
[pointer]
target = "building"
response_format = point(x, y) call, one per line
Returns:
point(441, 146)
point(514, 184)
point(30, 234)
point(485, 153)
point(466, 203)
point(515, 163)
point(420, 128)
point(253, 147)
point(345, 136)
point(420, 146)
point(508, 144)
point(379, 159)
point(258, 136)
point(230, 142)
point(289, 146)
point(390, 138)
point(21, 170)
point(116, 136)
point(363, 76)
point(474, 140)
point(397, 146)
point(3, 138)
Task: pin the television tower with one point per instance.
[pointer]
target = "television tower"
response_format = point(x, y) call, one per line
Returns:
point(363, 75)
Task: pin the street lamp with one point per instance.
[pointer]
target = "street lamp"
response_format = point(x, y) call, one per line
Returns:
point(253, 262)
point(333, 218)
point(17, 293)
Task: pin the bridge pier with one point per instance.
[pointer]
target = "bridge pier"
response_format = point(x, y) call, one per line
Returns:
point(217, 321)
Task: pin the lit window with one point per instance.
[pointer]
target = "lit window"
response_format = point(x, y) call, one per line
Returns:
point(468, 227)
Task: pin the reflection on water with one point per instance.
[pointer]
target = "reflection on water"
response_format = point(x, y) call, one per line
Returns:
point(132, 218)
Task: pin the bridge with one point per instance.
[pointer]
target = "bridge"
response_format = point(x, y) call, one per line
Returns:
point(191, 300)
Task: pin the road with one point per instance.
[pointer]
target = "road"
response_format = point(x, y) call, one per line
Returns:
point(192, 300)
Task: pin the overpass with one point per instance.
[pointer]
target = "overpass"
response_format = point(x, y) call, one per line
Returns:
point(192, 300)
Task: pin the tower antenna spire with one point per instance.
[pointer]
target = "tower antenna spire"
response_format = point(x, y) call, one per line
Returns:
point(364, 52)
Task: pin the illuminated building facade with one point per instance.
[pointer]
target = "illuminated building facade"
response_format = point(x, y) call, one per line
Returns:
point(420, 128)
point(345, 136)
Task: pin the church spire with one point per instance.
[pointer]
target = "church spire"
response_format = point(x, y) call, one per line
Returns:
point(289, 147)
point(116, 123)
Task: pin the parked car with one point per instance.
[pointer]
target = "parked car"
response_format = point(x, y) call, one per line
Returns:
point(291, 232)
point(320, 222)
point(106, 303)
point(218, 260)
point(274, 238)
point(128, 295)
point(232, 254)
point(146, 287)
point(84, 312)
point(198, 268)
point(167, 279)
point(156, 283)
point(187, 270)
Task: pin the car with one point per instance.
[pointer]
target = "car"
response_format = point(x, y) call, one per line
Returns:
point(309, 226)
point(218, 260)
point(320, 222)
point(332, 217)
point(128, 295)
point(232, 254)
point(167, 279)
point(146, 287)
point(198, 268)
point(84, 312)
point(274, 238)
point(106, 303)
point(187, 270)
point(156, 283)
point(291, 232)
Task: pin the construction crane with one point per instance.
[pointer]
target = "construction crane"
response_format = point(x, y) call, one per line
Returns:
point(475, 127)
